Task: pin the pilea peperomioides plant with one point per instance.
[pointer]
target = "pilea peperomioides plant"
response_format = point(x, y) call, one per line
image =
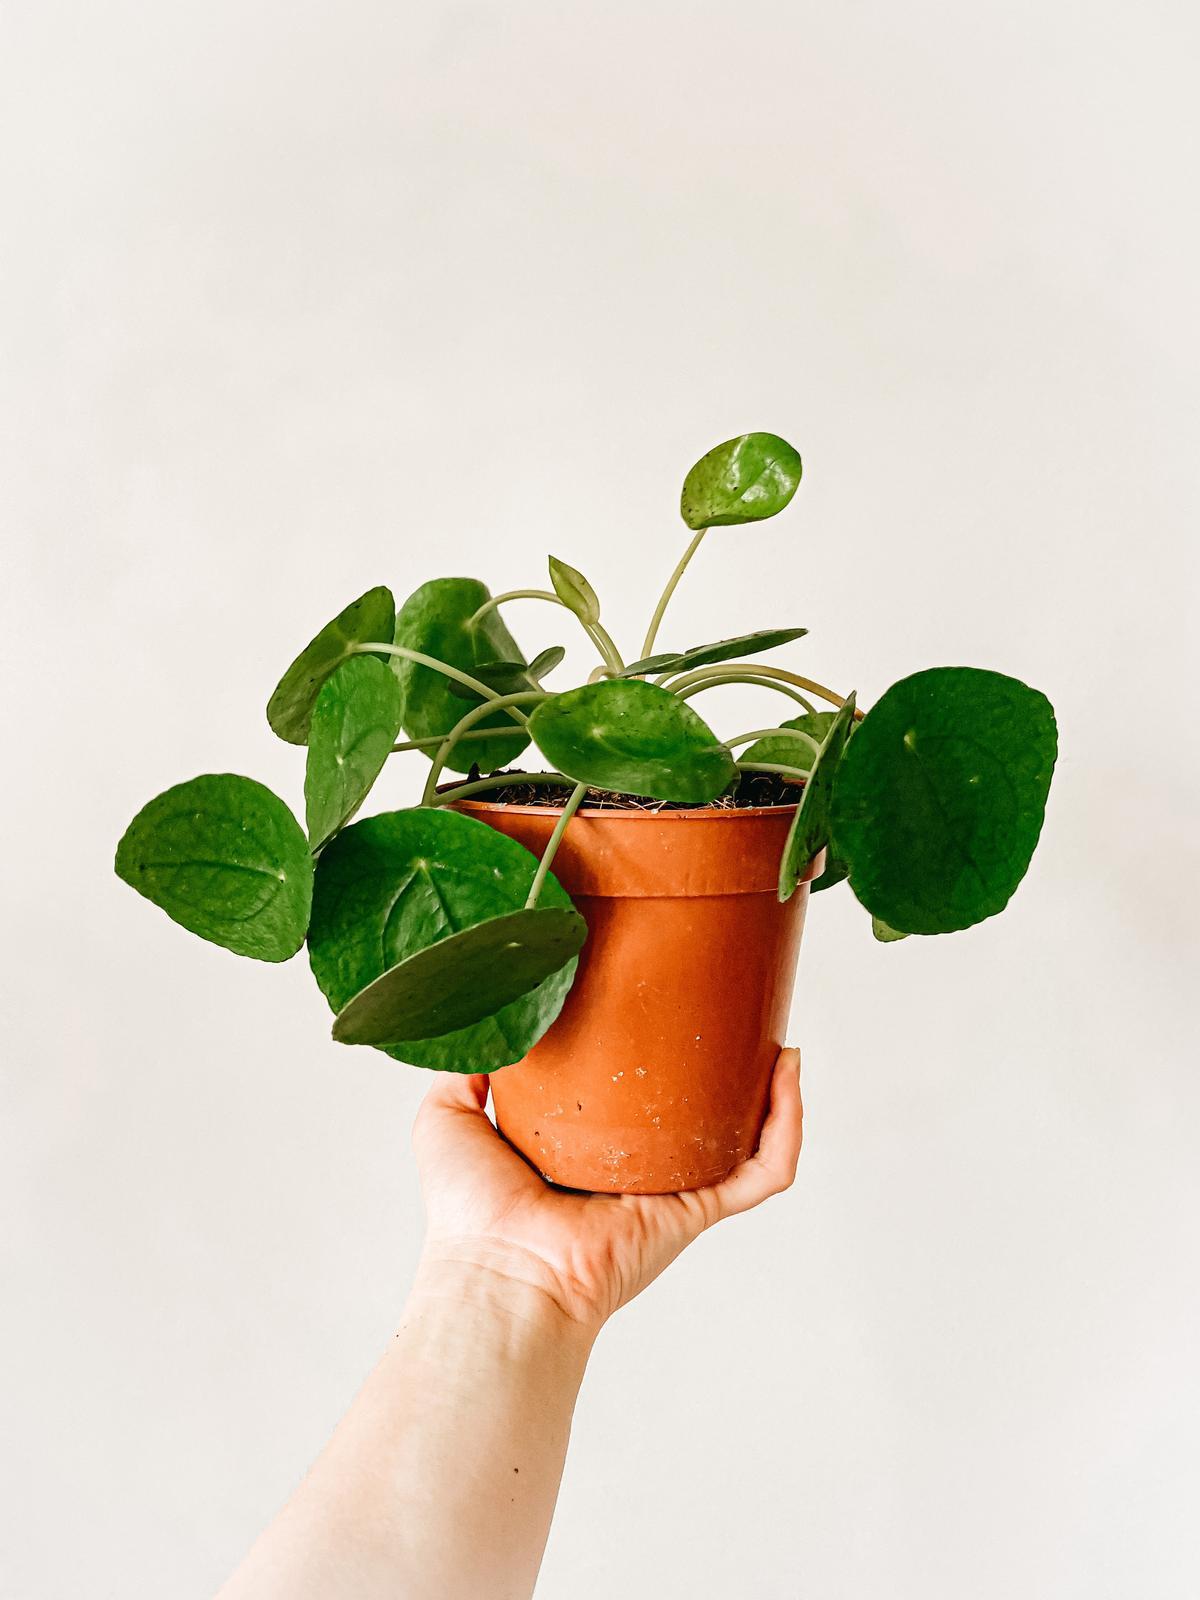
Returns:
point(442, 941)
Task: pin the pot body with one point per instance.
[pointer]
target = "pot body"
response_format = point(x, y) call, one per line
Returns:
point(656, 1076)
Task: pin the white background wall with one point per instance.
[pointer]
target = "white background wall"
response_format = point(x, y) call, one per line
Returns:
point(298, 298)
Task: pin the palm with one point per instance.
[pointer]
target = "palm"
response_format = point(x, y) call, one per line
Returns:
point(591, 1253)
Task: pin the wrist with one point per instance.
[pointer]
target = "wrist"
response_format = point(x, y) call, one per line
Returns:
point(500, 1290)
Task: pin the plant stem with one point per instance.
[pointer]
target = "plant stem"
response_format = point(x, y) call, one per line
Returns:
point(498, 780)
point(515, 594)
point(598, 635)
point(664, 598)
point(772, 766)
point(774, 733)
point(602, 639)
point(465, 678)
point(552, 844)
point(476, 714)
point(746, 677)
point(432, 744)
point(776, 673)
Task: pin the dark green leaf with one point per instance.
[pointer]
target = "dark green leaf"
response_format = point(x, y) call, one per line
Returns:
point(704, 655)
point(939, 802)
point(793, 752)
point(462, 979)
point(573, 589)
point(810, 826)
point(504, 677)
point(836, 871)
point(437, 621)
point(390, 885)
point(748, 644)
point(742, 480)
point(545, 662)
point(667, 662)
point(354, 725)
point(368, 620)
point(635, 738)
point(226, 859)
point(509, 677)
point(883, 933)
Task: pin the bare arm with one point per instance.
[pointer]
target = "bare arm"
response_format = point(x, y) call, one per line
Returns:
point(440, 1482)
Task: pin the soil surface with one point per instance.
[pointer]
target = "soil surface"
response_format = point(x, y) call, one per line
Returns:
point(752, 789)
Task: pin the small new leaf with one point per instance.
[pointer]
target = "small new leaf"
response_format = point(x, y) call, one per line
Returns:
point(504, 677)
point(573, 589)
point(545, 662)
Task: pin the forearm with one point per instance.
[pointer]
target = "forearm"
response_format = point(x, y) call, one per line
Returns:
point(440, 1482)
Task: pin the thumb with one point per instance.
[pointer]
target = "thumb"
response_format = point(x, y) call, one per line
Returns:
point(453, 1108)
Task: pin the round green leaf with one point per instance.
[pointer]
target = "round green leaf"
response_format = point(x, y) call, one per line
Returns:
point(390, 885)
point(810, 826)
point(437, 621)
point(883, 933)
point(793, 752)
point(226, 859)
point(743, 480)
point(370, 619)
point(940, 798)
point(635, 738)
point(463, 978)
point(354, 725)
point(573, 589)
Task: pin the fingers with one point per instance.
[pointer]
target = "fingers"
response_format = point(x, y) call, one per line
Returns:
point(458, 1091)
point(772, 1167)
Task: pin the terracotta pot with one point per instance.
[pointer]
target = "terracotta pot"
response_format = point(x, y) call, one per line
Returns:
point(656, 1075)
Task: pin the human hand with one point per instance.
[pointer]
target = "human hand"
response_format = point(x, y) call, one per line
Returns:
point(588, 1253)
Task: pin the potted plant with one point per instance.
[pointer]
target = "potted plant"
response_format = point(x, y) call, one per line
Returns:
point(630, 1001)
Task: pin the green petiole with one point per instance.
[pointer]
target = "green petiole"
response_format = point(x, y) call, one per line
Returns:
point(774, 733)
point(599, 636)
point(515, 594)
point(552, 844)
point(432, 743)
point(745, 677)
point(773, 766)
point(778, 674)
point(502, 702)
point(498, 780)
point(664, 598)
point(422, 660)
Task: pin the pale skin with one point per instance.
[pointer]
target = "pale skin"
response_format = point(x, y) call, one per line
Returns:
point(440, 1481)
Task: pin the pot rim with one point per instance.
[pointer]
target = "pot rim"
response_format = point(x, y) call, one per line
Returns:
point(708, 813)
